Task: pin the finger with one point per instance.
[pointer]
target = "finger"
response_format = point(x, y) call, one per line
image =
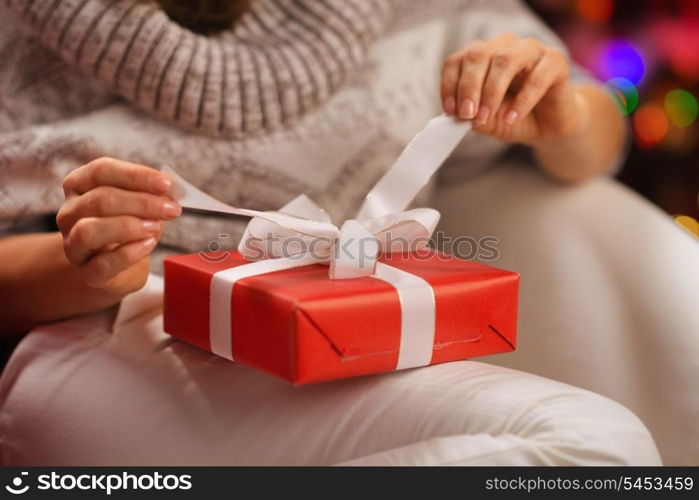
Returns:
point(104, 266)
point(449, 80)
point(551, 69)
point(474, 67)
point(505, 64)
point(92, 234)
point(107, 201)
point(121, 174)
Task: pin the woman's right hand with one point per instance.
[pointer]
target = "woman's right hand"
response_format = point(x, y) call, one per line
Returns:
point(112, 219)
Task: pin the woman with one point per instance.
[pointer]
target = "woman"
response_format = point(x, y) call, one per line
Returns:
point(515, 90)
point(298, 96)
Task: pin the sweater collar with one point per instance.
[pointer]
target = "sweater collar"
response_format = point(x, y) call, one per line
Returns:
point(280, 60)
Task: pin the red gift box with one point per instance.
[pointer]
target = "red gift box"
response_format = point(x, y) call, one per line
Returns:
point(302, 326)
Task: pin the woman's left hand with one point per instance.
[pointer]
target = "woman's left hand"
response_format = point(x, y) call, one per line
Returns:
point(514, 89)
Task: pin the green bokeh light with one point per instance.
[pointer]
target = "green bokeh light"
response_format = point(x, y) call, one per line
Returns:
point(624, 92)
point(681, 107)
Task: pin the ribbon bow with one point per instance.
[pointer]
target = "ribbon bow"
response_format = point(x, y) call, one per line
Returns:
point(351, 250)
point(302, 230)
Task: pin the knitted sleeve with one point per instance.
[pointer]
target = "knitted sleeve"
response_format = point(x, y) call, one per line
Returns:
point(282, 59)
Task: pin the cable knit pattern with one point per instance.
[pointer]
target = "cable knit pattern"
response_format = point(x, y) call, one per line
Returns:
point(282, 59)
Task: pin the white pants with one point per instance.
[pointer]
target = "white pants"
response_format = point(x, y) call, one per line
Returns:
point(74, 394)
point(609, 294)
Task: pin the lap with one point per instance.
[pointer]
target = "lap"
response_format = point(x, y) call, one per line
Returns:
point(74, 393)
point(607, 296)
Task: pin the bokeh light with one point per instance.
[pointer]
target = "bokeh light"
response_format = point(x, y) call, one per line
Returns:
point(650, 125)
point(677, 40)
point(621, 59)
point(595, 11)
point(688, 223)
point(624, 92)
point(681, 107)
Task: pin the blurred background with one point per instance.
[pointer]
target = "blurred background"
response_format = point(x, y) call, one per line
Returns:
point(647, 52)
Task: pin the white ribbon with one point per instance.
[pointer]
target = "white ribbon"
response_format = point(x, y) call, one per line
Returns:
point(301, 233)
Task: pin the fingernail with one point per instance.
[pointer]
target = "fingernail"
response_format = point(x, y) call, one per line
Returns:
point(163, 184)
point(150, 225)
point(171, 209)
point(450, 105)
point(148, 242)
point(467, 109)
point(511, 117)
point(483, 115)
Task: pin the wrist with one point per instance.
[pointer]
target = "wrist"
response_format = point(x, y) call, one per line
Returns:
point(582, 114)
point(572, 128)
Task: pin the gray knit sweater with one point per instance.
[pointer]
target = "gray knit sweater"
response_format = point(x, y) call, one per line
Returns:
point(313, 96)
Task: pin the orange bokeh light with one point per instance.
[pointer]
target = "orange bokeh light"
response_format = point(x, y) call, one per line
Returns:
point(595, 11)
point(650, 125)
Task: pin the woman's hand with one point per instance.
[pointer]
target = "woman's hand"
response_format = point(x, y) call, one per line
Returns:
point(515, 89)
point(111, 221)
